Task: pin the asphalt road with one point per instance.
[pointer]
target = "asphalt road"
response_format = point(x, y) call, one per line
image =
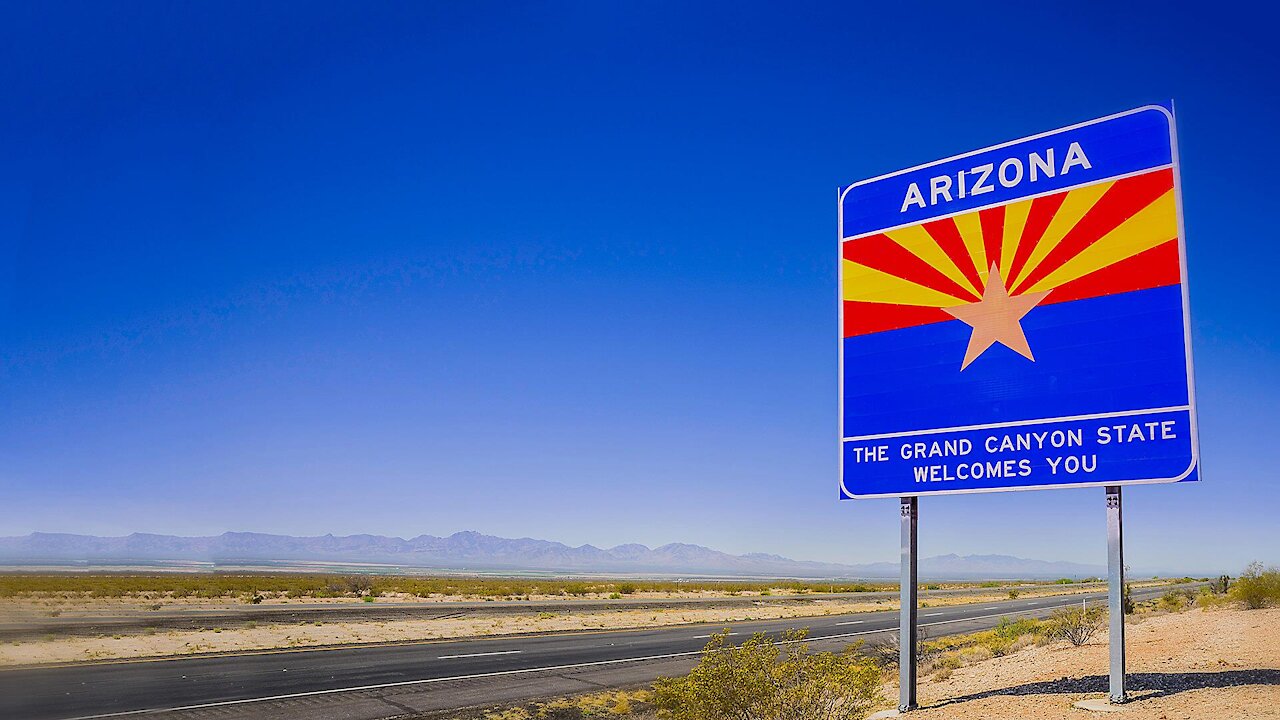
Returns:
point(373, 683)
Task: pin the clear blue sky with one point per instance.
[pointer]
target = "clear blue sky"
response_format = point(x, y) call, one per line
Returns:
point(560, 270)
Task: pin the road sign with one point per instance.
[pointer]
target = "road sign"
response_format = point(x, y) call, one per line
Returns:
point(1016, 317)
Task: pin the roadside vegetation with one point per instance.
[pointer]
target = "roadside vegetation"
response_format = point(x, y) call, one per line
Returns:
point(768, 678)
point(761, 675)
point(1257, 587)
point(298, 585)
point(247, 586)
point(937, 658)
point(615, 703)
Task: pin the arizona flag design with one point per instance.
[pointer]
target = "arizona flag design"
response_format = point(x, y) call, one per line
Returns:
point(1016, 317)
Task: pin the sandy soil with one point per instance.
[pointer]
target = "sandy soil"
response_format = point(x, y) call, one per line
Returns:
point(273, 636)
point(267, 636)
point(70, 605)
point(60, 650)
point(1202, 664)
point(74, 605)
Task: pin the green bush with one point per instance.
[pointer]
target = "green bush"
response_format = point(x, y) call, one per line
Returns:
point(1007, 632)
point(1076, 625)
point(1014, 629)
point(577, 589)
point(1006, 637)
point(948, 661)
point(762, 678)
point(1176, 600)
point(1209, 599)
point(1257, 587)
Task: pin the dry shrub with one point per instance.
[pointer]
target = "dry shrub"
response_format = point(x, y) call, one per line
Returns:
point(1176, 600)
point(974, 654)
point(948, 661)
point(1077, 625)
point(887, 652)
point(1022, 642)
point(762, 678)
point(1208, 599)
point(1257, 587)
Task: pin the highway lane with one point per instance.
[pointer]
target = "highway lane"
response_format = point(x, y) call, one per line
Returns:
point(359, 682)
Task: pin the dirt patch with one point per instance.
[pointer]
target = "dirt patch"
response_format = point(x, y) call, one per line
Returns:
point(1197, 664)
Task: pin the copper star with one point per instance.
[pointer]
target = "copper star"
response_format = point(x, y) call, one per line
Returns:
point(996, 319)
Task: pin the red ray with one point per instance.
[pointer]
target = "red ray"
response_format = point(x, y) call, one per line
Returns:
point(1152, 268)
point(864, 318)
point(1157, 267)
point(947, 235)
point(1119, 203)
point(882, 253)
point(992, 220)
point(1038, 218)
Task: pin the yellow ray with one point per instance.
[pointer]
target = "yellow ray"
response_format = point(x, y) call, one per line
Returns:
point(920, 243)
point(1077, 203)
point(1015, 218)
point(1155, 224)
point(970, 227)
point(865, 284)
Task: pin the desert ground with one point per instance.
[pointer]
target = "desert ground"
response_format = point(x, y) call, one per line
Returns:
point(54, 648)
point(1199, 664)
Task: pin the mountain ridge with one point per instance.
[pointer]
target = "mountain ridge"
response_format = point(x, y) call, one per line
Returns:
point(469, 550)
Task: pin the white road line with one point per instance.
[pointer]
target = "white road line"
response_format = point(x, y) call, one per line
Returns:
point(485, 654)
point(975, 617)
point(932, 614)
point(994, 607)
point(852, 622)
point(703, 637)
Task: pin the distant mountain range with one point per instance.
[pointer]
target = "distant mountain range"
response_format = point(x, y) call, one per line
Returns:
point(473, 551)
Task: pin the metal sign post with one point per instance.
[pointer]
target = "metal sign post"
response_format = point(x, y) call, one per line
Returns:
point(1017, 318)
point(907, 615)
point(1115, 588)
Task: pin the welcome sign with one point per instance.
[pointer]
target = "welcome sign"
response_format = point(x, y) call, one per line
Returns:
point(1017, 318)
